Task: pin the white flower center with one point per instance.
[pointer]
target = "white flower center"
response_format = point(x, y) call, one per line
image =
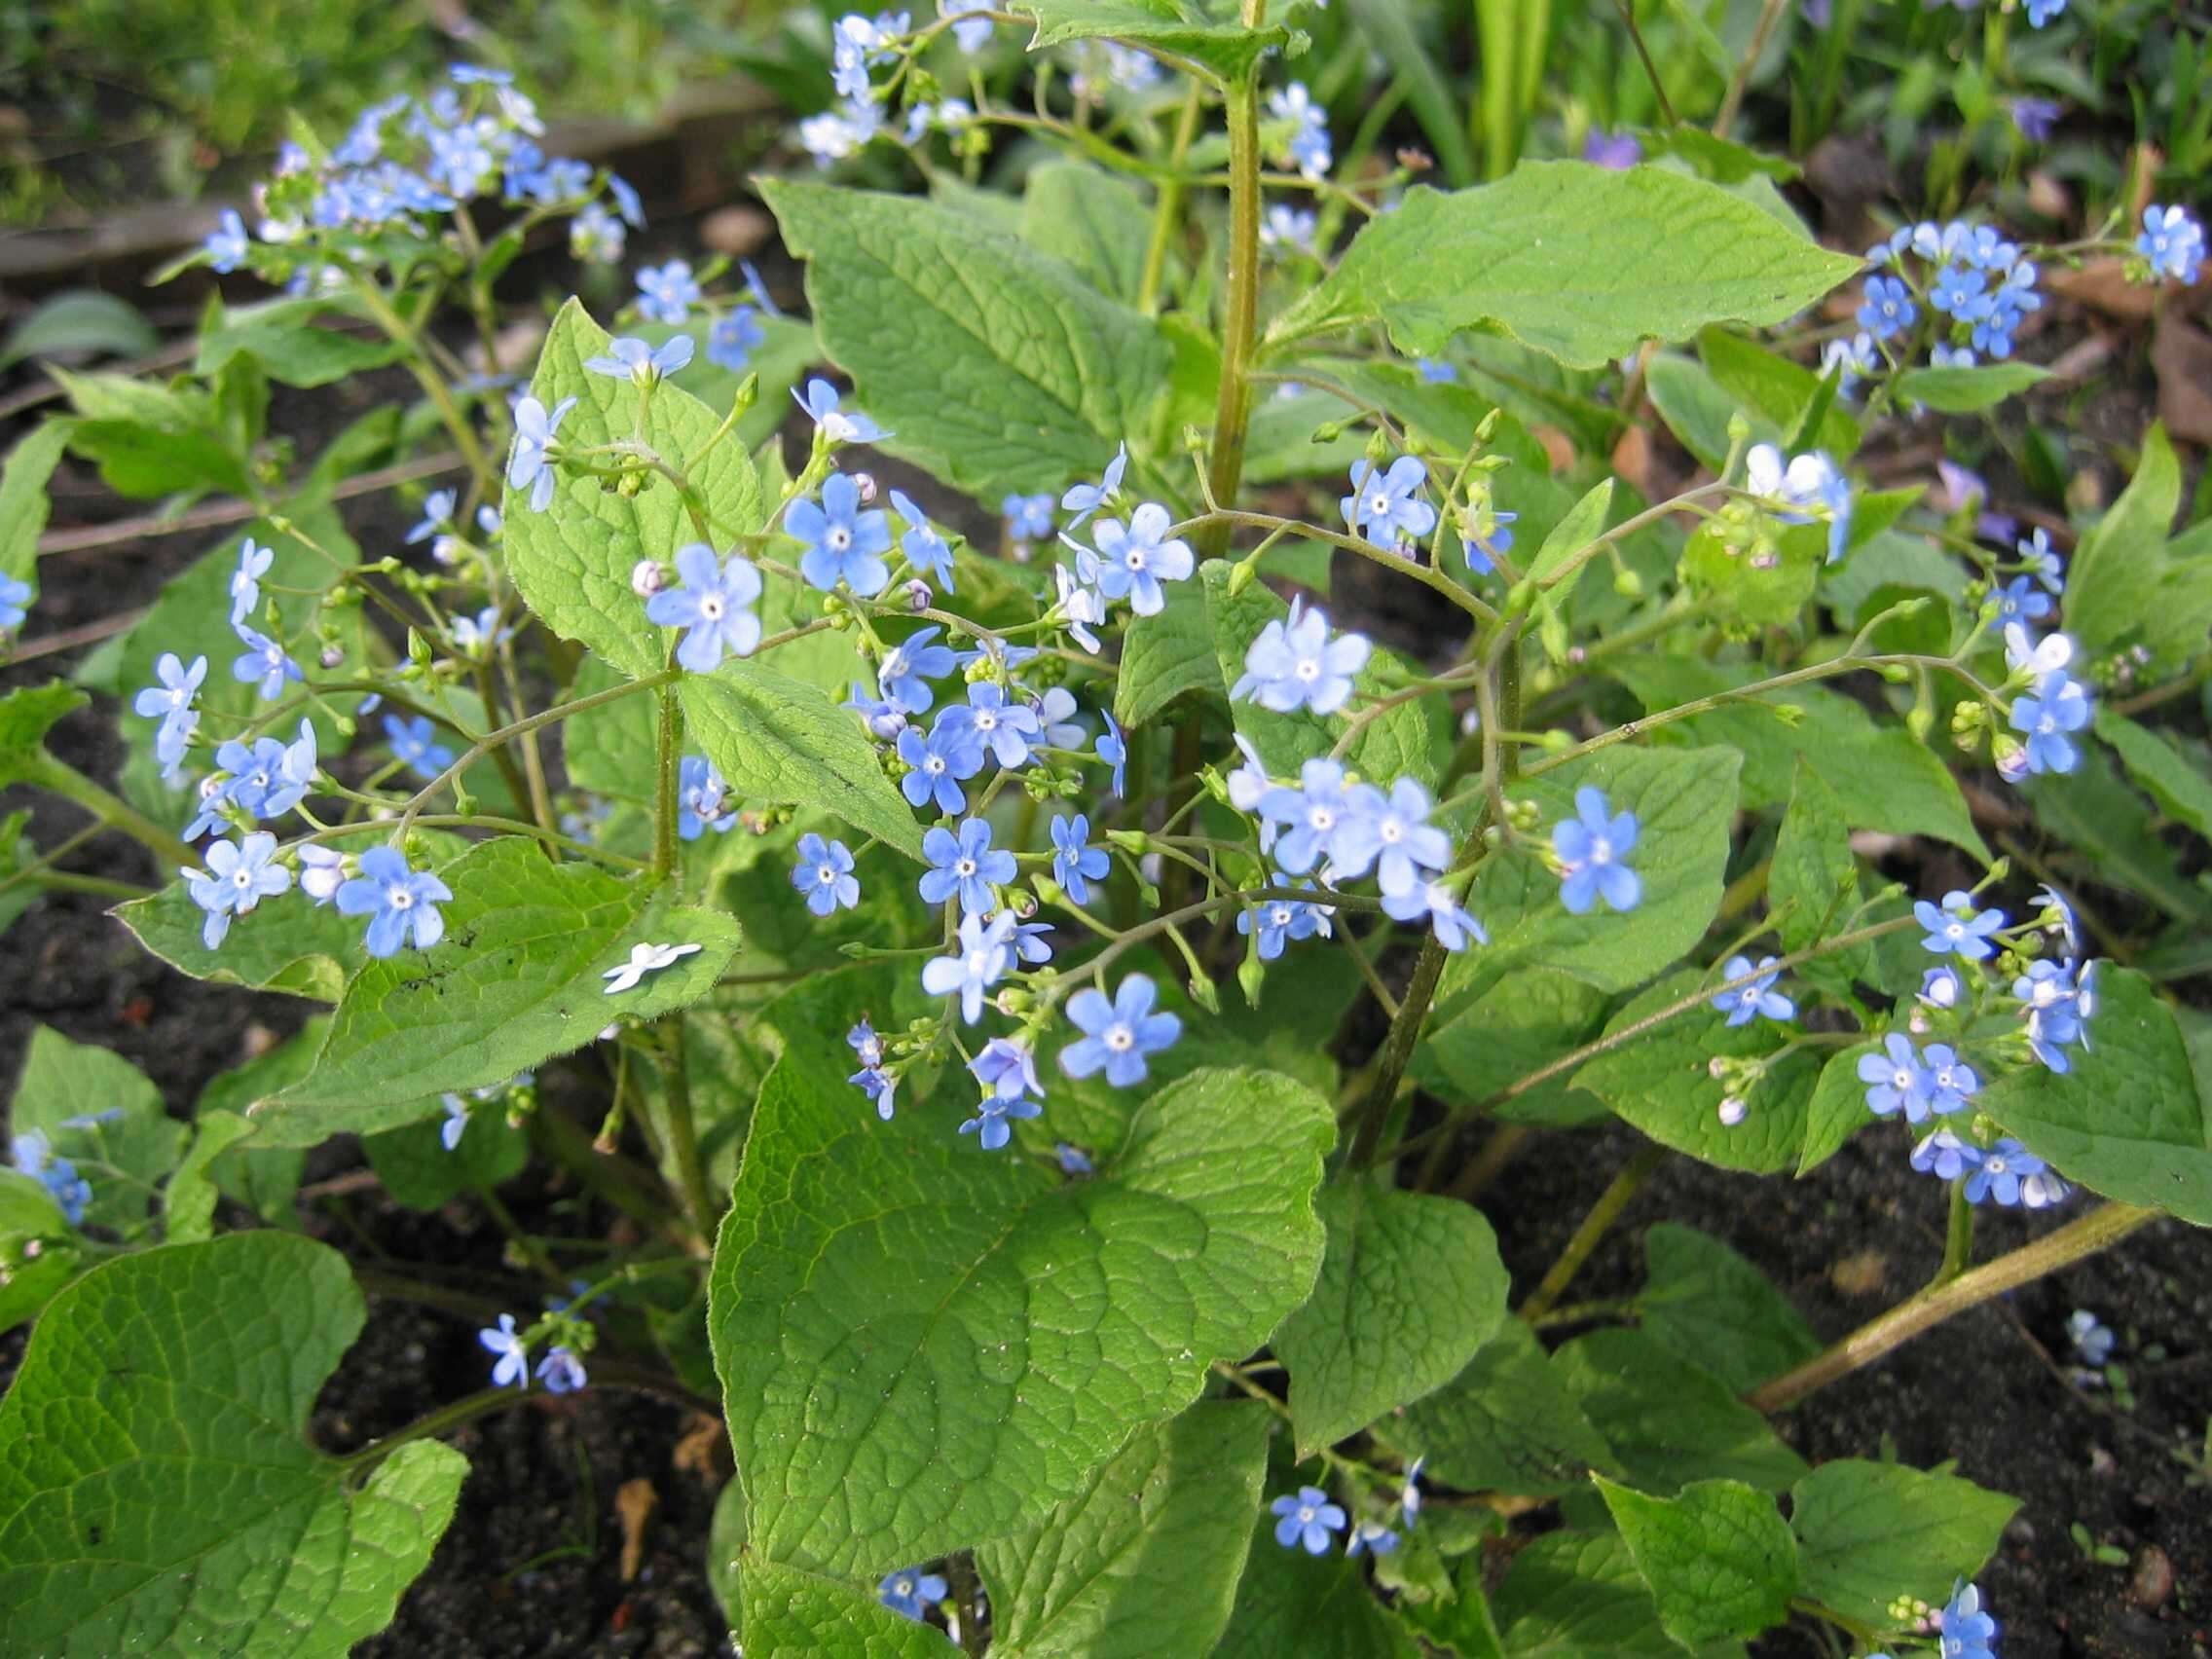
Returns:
point(711, 608)
point(963, 868)
point(1307, 669)
point(241, 879)
point(838, 539)
point(986, 720)
point(1391, 832)
point(826, 874)
point(1322, 818)
point(934, 765)
point(1119, 1038)
point(1600, 849)
point(399, 899)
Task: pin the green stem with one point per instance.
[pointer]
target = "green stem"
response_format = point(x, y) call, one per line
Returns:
point(1733, 101)
point(1240, 319)
point(1167, 211)
point(683, 1133)
point(1958, 1236)
point(1595, 1226)
point(434, 388)
point(669, 741)
point(433, 1423)
point(2102, 1228)
point(64, 881)
point(64, 780)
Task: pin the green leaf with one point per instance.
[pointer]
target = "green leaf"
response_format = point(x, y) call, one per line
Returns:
point(1578, 1596)
point(1507, 1027)
point(1090, 218)
point(1659, 1080)
point(1462, 1625)
point(1780, 391)
point(1707, 1305)
point(147, 439)
point(1006, 371)
point(188, 1203)
point(291, 946)
point(1411, 1286)
point(1698, 409)
point(1813, 885)
point(516, 979)
point(975, 1333)
point(40, 1252)
point(1288, 1603)
point(1143, 1562)
point(1870, 1532)
point(2093, 808)
point(1683, 804)
point(1725, 579)
point(726, 1553)
point(1167, 654)
point(189, 1513)
point(1886, 778)
point(265, 1179)
point(66, 1091)
point(1577, 261)
point(281, 336)
point(790, 1611)
point(2109, 575)
point(1720, 1560)
point(1966, 392)
point(26, 715)
point(2177, 782)
point(418, 1172)
point(779, 740)
point(572, 562)
point(1668, 1421)
point(2127, 1121)
point(23, 501)
point(1839, 1108)
point(1179, 26)
point(79, 320)
point(1582, 524)
point(1504, 1424)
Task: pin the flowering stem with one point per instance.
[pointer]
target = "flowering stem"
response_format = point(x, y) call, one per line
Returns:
point(1958, 1237)
point(2103, 1227)
point(1240, 319)
point(683, 1133)
point(669, 741)
point(1595, 1226)
point(447, 1416)
point(1168, 210)
point(434, 388)
point(1436, 580)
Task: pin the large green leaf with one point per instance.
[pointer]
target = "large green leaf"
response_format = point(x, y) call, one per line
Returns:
point(781, 741)
point(286, 944)
point(282, 336)
point(1578, 1596)
point(2180, 782)
point(1658, 1080)
point(1812, 888)
point(188, 1513)
point(1720, 1560)
point(1411, 1286)
point(2112, 572)
point(1504, 1025)
point(1967, 391)
point(1575, 260)
point(572, 562)
point(1838, 1109)
point(95, 1105)
point(1668, 1421)
point(26, 715)
point(794, 1613)
point(1710, 1307)
point(38, 1248)
point(1870, 1532)
point(2127, 1121)
point(1091, 218)
point(23, 501)
point(1504, 1424)
point(1287, 1603)
point(923, 1345)
point(995, 366)
point(1183, 27)
point(1143, 1562)
point(516, 979)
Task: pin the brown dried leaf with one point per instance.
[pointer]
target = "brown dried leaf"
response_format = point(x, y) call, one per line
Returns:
point(632, 1504)
point(2181, 355)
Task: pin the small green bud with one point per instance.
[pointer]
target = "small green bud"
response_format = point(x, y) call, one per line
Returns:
point(1627, 583)
point(747, 393)
point(1328, 431)
point(1487, 428)
point(1202, 993)
point(1739, 428)
point(1194, 441)
point(417, 648)
point(1240, 575)
point(1251, 973)
point(1791, 714)
point(1378, 447)
point(1135, 842)
point(1047, 889)
point(1896, 673)
point(633, 484)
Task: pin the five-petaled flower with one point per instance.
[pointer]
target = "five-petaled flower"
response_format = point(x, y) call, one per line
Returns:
point(529, 465)
point(965, 865)
point(825, 874)
point(1590, 847)
point(837, 426)
point(904, 677)
point(1117, 1034)
point(911, 1593)
point(1746, 1002)
point(171, 702)
point(400, 901)
point(732, 339)
point(1076, 865)
point(1135, 558)
point(842, 542)
point(413, 744)
point(1292, 663)
point(714, 606)
point(939, 762)
point(1896, 1079)
point(666, 294)
point(1385, 506)
point(1956, 927)
point(238, 877)
point(1307, 1520)
point(982, 953)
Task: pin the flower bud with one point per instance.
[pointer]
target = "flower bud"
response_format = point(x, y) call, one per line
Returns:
point(1732, 1110)
point(333, 656)
point(865, 483)
point(918, 595)
point(647, 579)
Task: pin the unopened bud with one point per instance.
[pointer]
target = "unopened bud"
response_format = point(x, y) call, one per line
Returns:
point(647, 579)
point(918, 595)
point(1241, 576)
point(1202, 993)
point(1627, 583)
point(333, 656)
point(1251, 976)
point(865, 483)
point(1731, 1112)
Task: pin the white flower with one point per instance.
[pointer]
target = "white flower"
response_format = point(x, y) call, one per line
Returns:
point(644, 959)
point(2051, 652)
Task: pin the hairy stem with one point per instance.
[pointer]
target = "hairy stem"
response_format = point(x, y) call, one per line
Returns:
point(683, 1133)
point(1167, 211)
point(1241, 320)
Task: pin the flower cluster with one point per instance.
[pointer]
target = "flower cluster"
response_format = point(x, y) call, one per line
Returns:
point(566, 1335)
point(1308, 1519)
point(861, 47)
point(32, 1153)
point(1981, 285)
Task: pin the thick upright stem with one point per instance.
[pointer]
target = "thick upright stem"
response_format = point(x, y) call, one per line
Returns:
point(670, 741)
point(111, 809)
point(682, 1133)
point(2103, 1227)
point(1240, 321)
point(1958, 1237)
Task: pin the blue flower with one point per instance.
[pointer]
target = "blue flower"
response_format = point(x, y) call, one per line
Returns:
point(702, 799)
point(227, 245)
point(1028, 518)
point(667, 293)
point(1307, 1520)
point(238, 877)
point(1944, 1156)
point(32, 1153)
point(940, 763)
point(561, 1371)
point(1310, 138)
point(983, 955)
point(825, 874)
point(1371, 1537)
point(884, 718)
point(641, 364)
point(862, 1040)
point(1084, 500)
point(837, 426)
point(1114, 752)
point(626, 199)
point(437, 515)
point(1288, 227)
point(1941, 988)
point(246, 581)
point(1310, 814)
point(1133, 561)
point(910, 1593)
point(527, 466)
point(990, 1120)
point(1896, 1079)
point(1119, 1034)
point(412, 741)
point(1887, 309)
point(265, 661)
point(2058, 706)
point(597, 237)
point(1006, 1070)
point(1278, 921)
point(1292, 663)
point(1957, 290)
point(1391, 832)
point(1951, 1081)
point(1075, 864)
point(1447, 917)
point(1810, 480)
point(514, 1354)
point(2033, 119)
point(1029, 943)
point(1074, 1161)
point(974, 29)
point(15, 602)
point(1055, 714)
point(713, 604)
point(1005, 728)
point(457, 1122)
point(2005, 1166)
point(1590, 847)
point(400, 901)
point(905, 675)
point(842, 542)
point(925, 549)
point(1746, 1002)
point(2043, 561)
point(966, 865)
point(1955, 927)
point(2021, 599)
point(872, 1079)
point(2041, 11)
point(2092, 1337)
point(2173, 242)
point(1385, 506)
point(271, 778)
point(171, 702)
point(732, 339)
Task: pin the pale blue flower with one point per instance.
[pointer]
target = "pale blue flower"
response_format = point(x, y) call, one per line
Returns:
point(1590, 847)
point(1134, 559)
point(413, 743)
point(903, 676)
point(1385, 506)
point(702, 799)
point(1277, 922)
point(528, 465)
point(1028, 518)
point(513, 1365)
point(265, 661)
point(1307, 1520)
point(965, 865)
point(1746, 1002)
point(837, 426)
point(399, 901)
point(561, 1371)
point(2173, 242)
point(825, 874)
point(15, 602)
point(1117, 1034)
point(1005, 729)
point(712, 606)
point(732, 339)
point(171, 702)
point(940, 763)
point(1293, 663)
point(238, 877)
point(924, 547)
point(246, 581)
point(981, 955)
point(666, 294)
point(1084, 500)
point(842, 542)
point(1956, 927)
point(227, 245)
point(642, 364)
point(1076, 865)
point(1887, 307)
point(1393, 834)
point(2058, 707)
point(1896, 1079)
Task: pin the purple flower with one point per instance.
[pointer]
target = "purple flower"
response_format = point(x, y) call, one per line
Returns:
point(966, 865)
point(712, 605)
point(2034, 118)
point(1117, 1034)
point(1616, 153)
point(1590, 847)
point(561, 1371)
point(825, 874)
